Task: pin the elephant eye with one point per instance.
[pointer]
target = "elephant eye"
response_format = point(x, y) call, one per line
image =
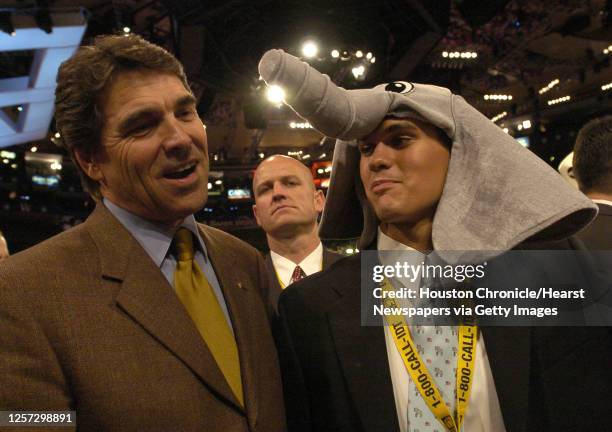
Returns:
point(402, 87)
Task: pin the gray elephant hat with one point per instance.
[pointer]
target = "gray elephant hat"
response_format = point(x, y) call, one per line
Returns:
point(497, 194)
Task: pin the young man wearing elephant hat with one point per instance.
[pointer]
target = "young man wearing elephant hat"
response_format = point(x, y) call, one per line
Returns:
point(417, 168)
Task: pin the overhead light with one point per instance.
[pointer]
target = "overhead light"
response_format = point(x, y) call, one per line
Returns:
point(126, 29)
point(6, 23)
point(19, 108)
point(322, 156)
point(209, 185)
point(218, 182)
point(519, 126)
point(261, 155)
point(444, 54)
point(300, 125)
point(306, 156)
point(359, 54)
point(606, 86)
point(358, 71)
point(369, 55)
point(373, 60)
point(559, 100)
point(56, 166)
point(526, 124)
point(497, 97)
point(349, 251)
point(506, 130)
point(275, 94)
point(499, 116)
point(548, 86)
point(34, 149)
point(310, 49)
point(57, 135)
point(335, 53)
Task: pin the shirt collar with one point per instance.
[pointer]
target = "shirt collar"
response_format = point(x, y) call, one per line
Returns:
point(154, 238)
point(311, 264)
point(393, 250)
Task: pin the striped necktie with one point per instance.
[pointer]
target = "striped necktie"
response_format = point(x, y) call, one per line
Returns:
point(298, 274)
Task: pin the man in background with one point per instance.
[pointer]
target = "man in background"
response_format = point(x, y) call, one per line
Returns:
point(139, 318)
point(4, 251)
point(287, 207)
point(593, 171)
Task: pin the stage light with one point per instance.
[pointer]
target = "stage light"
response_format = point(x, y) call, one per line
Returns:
point(559, 100)
point(310, 49)
point(275, 94)
point(358, 71)
point(499, 116)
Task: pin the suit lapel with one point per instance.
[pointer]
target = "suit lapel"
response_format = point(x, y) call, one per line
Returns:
point(508, 350)
point(149, 300)
point(362, 354)
point(242, 303)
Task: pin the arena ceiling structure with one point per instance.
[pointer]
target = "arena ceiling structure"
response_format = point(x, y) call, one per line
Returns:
point(525, 64)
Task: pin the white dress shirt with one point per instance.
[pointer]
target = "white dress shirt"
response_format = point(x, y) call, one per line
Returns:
point(483, 412)
point(284, 267)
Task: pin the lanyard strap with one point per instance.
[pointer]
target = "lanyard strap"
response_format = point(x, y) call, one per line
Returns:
point(468, 334)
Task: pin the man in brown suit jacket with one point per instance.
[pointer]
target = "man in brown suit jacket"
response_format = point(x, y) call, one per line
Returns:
point(90, 320)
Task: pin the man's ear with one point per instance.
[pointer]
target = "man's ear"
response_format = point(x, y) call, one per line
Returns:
point(319, 200)
point(88, 165)
point(255, 214)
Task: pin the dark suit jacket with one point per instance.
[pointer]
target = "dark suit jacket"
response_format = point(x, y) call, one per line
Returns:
point(336, 372)
point(89, 323)
point(598, 235)
point(275, 289)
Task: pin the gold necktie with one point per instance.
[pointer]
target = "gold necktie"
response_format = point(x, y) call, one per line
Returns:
point(203, 307)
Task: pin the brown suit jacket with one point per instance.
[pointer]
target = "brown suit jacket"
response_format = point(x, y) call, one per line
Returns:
point(89, 323)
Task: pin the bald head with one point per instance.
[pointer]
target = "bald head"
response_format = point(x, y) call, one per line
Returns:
point(281, 162)
point(285, 196)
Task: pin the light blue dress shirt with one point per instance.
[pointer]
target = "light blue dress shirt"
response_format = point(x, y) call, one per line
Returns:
point(156, 241)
